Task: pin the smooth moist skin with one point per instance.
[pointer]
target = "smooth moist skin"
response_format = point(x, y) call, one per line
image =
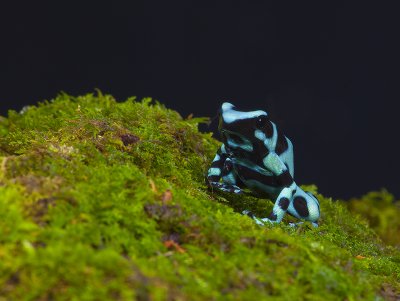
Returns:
point(257, 156)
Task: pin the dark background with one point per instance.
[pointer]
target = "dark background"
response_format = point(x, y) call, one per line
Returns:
point(326, 73)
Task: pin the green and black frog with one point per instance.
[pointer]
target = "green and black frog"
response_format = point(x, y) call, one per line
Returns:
point(255, 155)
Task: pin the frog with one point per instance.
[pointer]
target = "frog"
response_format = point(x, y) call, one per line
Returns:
point(256, 156)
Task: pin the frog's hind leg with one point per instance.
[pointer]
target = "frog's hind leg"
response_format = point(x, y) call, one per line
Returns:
point(280, 207)
point(298, 203)
point(305, 206)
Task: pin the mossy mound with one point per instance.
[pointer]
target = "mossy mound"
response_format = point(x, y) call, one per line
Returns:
point(382, 212)
point(102, 200)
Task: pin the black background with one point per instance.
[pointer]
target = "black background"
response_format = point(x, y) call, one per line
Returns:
point(326, 73)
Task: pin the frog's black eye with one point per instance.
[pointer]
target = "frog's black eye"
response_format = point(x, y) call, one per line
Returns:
point(261, 121)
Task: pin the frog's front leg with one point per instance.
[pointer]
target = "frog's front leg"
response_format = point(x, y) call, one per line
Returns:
point(222, 168)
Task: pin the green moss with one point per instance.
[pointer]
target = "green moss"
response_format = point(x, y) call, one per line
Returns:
point(382, 212)
point(102, 200)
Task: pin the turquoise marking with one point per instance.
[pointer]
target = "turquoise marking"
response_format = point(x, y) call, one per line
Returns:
point(223, 150)
point(229, 178)
point(214, 171)
point(287, 157)
point(274, 163)
point(230, 115)
point(251, 165)
point(248, 147)
point(216, 158)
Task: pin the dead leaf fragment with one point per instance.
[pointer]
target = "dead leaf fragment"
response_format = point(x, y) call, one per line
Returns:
point(128, 139)
point(166, 196)
point(170, 244)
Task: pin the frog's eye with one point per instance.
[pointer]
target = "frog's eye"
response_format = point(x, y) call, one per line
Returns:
point(261, 121)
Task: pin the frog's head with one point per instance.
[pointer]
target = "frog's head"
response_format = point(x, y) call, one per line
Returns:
point(238, 129)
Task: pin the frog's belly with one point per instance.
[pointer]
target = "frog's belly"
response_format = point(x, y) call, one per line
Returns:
point(262, 189)
point(258, 180)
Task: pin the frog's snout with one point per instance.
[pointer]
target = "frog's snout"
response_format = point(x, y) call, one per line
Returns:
point(228, 114)
point(226, 106)
point(222, 112)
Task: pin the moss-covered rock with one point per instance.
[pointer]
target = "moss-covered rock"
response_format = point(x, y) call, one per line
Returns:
point(102, 200)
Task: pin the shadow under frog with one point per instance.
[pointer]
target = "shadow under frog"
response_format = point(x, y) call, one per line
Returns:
point(255, 155)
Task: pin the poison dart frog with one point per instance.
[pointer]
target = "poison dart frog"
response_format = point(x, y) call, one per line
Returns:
point(255, 155)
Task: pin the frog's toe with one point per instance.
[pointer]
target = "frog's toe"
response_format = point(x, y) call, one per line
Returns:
point(259, 221)
point(263, 221)
point(236, 191)
point(315, 225)
point(226, 187)
point(231, 188)
point(248, 213)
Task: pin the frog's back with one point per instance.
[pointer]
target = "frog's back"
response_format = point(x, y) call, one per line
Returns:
point(284, 149)
point(258, 176)
point(250, 166)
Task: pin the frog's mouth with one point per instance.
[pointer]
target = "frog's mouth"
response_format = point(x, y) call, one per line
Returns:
point(232, 135)
point(224, 134)
point(220, 123)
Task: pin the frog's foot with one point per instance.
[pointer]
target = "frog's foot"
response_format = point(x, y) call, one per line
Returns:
point(264, 221)
point(314, 224)
point(259, 221)
point(226, 187)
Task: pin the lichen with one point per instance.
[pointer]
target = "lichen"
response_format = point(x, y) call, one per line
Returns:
point(105, 200)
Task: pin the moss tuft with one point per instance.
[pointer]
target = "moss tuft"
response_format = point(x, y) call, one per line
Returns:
point(103, 200)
